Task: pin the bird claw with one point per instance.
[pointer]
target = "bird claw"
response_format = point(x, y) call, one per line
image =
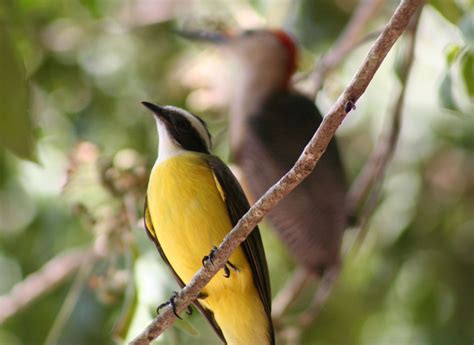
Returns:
point(227, 270)
point(173, 305)
point(210, 256)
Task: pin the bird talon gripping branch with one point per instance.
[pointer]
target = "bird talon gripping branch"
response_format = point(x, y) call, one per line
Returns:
point(210, 256)
point(173, 305)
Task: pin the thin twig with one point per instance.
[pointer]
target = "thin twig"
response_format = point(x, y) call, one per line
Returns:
point(388, 142)
point(373, 173)
point(364, 219)
point(293, 333)
point(302, 168)
point(321, 296)
point(382, 154)
point(303, 76)
point(123, 321)
point(348, 40)
point(288, 293)
point(69, 304)
point(42, 281)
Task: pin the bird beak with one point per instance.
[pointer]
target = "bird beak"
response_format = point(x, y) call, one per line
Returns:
point(206, 36)
point(158, 110)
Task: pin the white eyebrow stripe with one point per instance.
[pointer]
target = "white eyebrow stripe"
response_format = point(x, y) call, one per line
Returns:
point(194, 122)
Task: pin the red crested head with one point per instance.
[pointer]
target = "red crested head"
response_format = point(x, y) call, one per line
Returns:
point(291, 48)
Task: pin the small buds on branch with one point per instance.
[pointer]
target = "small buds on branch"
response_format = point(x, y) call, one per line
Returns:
point(302, 168)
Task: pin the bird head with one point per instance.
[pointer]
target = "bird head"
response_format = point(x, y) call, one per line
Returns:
point(179, 130)
point(266, 54)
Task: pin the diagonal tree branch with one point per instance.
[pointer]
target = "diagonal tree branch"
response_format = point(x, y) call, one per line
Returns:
point(302, 168)
point(347, 41)
point(376, 165)
point(47, 278)
point(385, 147)
point(288, 294)
point(366, 185)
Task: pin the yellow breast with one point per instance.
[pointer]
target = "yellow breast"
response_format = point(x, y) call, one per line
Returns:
point(189, 216)
point(188, 212)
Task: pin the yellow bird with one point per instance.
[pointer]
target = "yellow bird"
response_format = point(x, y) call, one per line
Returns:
point(192, 202)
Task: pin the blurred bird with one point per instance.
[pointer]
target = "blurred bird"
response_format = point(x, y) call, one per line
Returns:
point(270, 124)
point(192, 202)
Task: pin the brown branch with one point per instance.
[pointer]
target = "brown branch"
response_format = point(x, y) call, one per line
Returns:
point(387, 148)
point(38, 283)
point(373, 173)
point(348, 40)
point(382, 154)
point(302, 168)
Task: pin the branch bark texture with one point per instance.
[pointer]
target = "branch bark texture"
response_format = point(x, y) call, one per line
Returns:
point(302, 168)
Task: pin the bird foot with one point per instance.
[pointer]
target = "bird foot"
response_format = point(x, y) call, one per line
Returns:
point(227, 270)
point(208, 258)
point(171, 302)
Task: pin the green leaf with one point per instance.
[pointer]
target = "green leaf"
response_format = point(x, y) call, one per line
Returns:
point(446, 93)
point(448, 9)
point(93, 6)
point(467, 72)
point(452, 52)
point(16, 127)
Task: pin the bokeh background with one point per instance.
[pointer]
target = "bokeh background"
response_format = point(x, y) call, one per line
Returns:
point(76, 147)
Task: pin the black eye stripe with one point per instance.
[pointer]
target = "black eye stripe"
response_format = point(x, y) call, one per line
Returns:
point(185, 134)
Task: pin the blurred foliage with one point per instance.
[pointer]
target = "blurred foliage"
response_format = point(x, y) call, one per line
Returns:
point(88, 64)
point(459, 57)
point(13, 89)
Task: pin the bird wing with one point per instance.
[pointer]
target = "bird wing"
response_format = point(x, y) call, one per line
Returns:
point(237, 205)
point(311, 219)
point(285, 124)
point(152, 235)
